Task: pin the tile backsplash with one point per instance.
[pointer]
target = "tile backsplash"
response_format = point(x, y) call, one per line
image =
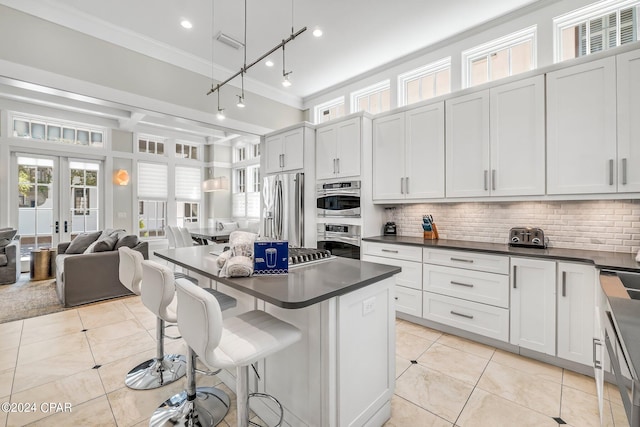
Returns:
point(605, 225)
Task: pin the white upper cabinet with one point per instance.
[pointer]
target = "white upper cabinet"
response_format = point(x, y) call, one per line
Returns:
point(467, 145)
point(285, 151)
point(408, 154)
point(581, 128)
point(628, 122)
point(338, 149)
point(518, 138)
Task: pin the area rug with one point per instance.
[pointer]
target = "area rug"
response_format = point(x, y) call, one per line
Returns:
point(26, 299)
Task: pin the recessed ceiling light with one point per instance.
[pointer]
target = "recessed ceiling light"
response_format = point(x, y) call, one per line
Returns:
point(317, 32)
point(269, 63)
point(186, 24)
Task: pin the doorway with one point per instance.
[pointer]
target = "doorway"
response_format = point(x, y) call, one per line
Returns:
point(58, 198)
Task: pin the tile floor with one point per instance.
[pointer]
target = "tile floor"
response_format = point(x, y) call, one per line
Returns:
point(442, 380)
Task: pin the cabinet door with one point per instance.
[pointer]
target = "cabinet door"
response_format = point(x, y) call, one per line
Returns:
point(348, 148)
point(273, 153)
point(467, 145)
point(293, 149)
point(533, 304)
point(326, 152)
point(628, 123)
point(576, 305)
point(424, 145)
point(581, 128)
point(518, 138)
point(388, 157)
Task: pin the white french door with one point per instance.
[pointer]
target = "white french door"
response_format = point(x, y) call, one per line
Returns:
point(58, 198)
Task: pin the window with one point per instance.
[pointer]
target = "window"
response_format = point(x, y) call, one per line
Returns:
point(503, 57)
point(600, 26)
point(186, 151)
point(152, 199)
point(425, 82)
point(245, 198)
point(329, 110)
point(373, 99)
point(84, 196)
point(151, 145)
point(51, 130)
point(188, 213)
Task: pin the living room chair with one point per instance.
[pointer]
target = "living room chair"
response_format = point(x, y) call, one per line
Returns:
point(9, 256)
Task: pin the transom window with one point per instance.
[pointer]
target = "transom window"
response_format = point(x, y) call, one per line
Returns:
point(151, 145)
point(373, 99)
point(186, 151)
point(329, 110)
point(603, 25)
point(51, 130)
point(425, 82)
point(503, 57)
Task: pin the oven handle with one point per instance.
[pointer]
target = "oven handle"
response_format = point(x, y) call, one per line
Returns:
point(328, 236)
point(325, 193)
point(615, 367)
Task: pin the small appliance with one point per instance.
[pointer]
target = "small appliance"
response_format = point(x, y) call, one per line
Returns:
point(390, 228)
point(529, 237)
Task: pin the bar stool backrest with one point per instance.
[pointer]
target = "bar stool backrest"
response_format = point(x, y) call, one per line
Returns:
point(199, 319)
point(186, 237)
point(158, 289)
point(170, 237)
point(130, 269)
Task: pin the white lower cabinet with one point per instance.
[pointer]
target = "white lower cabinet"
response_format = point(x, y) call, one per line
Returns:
point(481, 319)
point(533, 304)
point(576, 302)
point(408, 289)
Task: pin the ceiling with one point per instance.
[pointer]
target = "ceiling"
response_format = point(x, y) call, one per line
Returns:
point(359, 35)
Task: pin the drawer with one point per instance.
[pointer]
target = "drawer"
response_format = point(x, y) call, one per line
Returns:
point(469, 260)
point(408, 253)
point(411, 274)
point(408, 301)
point(476, 286)
point(474, 317)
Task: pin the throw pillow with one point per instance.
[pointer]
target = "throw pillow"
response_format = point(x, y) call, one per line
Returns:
point(6, 235)
point(105, 245)
point(82, 242)
point(129, 241)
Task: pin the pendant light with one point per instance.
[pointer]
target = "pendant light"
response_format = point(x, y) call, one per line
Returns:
point(285, 75)
point(240, 103)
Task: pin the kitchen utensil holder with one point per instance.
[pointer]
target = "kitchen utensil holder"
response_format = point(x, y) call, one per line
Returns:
point(431, 235)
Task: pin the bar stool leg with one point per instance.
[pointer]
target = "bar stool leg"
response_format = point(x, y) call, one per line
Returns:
point(159, 371)
point(242, 395)
point(202, 406)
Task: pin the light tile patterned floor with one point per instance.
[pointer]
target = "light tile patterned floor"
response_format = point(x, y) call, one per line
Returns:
point(442, 380)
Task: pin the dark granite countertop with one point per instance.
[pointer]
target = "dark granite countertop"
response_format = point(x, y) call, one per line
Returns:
point(614, 260)
point(305, 285)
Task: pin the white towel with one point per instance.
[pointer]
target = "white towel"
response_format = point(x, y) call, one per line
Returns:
point(238, 260)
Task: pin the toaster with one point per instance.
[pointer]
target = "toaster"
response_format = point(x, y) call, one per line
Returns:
point(529, 237)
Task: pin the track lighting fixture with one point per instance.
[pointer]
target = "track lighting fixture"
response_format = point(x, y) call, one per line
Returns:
point(285, 75)
point(240, 103)
point(220, 114)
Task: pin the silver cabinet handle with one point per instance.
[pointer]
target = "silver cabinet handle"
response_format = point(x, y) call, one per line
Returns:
point(493, 179)
point(468, 285)
point(486, 176)
point(338, 165)
point(624, 171)
point(390, 251)
point(401, 185)
point(406, 184)
point(334, 165)
point(455, 313)
point(564, 283)
point(514, 276)
point(281, 160)
point(597, 364)
point(461, 259)
point(610, 171)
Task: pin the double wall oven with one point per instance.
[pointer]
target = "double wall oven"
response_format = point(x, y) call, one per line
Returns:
point(338, 203)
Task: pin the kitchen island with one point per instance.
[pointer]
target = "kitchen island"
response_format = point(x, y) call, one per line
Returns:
point(342, 372)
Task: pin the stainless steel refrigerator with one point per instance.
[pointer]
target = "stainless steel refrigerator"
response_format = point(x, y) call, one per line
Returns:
point(283, 208)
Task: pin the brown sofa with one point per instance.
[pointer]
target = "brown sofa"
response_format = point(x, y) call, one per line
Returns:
point(89, 277)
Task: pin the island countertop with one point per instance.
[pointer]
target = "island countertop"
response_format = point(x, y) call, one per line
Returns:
point(305, 284)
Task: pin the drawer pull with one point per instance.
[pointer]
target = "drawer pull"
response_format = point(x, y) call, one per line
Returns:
point(390, 251)
point(468, 285)
point(461, 260)
point(455, 313)
point(597, 364)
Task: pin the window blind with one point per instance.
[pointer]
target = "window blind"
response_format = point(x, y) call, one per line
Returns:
point(188, 183)
point(152, 181)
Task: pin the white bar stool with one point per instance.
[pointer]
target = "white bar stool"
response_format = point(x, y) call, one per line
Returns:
point(235, 343)
point(207, 405)
point(163, 369)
